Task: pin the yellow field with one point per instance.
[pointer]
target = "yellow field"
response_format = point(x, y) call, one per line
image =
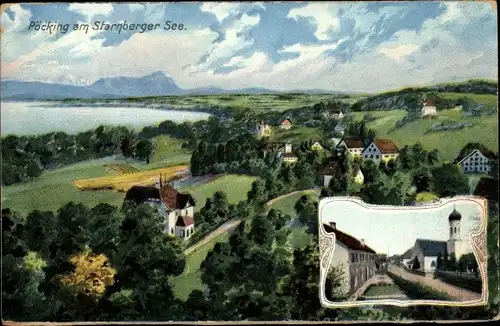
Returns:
point(123, 182)
point(122, 168)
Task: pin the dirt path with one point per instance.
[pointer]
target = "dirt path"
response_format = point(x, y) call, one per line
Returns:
point(272, 201)
point(226, 227)
point(453, 291)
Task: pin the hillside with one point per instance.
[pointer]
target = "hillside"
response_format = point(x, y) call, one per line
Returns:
point(410, 99)
point(483, 129)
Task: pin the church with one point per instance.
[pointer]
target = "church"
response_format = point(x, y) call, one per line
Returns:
point(427, 251)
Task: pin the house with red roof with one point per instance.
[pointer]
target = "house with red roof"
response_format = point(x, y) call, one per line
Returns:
point(352, 145)
point(176, 208)
point(353, 257)
point(381, 150)
point(428, 108)
point(286, 124)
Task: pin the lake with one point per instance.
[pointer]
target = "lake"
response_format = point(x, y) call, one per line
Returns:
point(28, 118)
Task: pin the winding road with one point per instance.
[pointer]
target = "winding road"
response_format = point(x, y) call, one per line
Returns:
point(226, 227)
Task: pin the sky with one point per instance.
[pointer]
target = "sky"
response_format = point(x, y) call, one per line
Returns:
point(348, 46)
point(394, 232)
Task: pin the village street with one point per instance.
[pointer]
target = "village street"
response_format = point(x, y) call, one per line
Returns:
point(453, 291)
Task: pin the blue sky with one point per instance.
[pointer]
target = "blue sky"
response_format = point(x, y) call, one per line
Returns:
point(395, 231)
point(358, 46)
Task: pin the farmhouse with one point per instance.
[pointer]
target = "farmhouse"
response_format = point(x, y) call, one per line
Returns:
point(329, 172)
point(316, 146)
point(476, 161)
point(353, 146)
point(263, 130)
point(428, 108)
point(176, 208)
point(380, 150)
point(288, 156)
point(353, 256)
point(426, 251)
point(286, 124)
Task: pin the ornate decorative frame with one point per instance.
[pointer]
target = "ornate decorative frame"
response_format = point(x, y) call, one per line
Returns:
point(478, 242)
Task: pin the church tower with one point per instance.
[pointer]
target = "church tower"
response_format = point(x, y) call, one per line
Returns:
point(454, 244)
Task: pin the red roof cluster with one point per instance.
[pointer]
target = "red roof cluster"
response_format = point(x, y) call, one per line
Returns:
point(386, 146)
point(349, 241)
point(353, 143)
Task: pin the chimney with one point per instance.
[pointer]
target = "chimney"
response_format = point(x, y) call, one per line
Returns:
point(362, 242)
point(333, 225)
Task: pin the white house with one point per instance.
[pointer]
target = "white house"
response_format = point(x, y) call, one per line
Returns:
point(288, 156)
point(406, 258)
point(176, 208)
point(353, 146)
point(428, 251)
point(353, 257)
point(428, 108)
point(476, 161)
point(380, 150)
point(337, 114)
point(329, 172)
point(286, 124)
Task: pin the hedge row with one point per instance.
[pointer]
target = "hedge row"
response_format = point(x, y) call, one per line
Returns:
point(466, 283)
point(417, 291)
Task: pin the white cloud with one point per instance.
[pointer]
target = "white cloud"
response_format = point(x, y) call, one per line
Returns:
point(325, 17)
point(21, 17)
point(233, 42)
point(398, 52)
point(135, 7)
point(223, 10)
point(92, 9)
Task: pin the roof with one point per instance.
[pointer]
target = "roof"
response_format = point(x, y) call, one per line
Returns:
point(352, 143)
point(349, 241)
point(168, 195)
point(430, 103)
point(337, 110)
point(488, 188)
point(455, 216)
point(289, 155)
point(184, 221)
point(407, 254)
point(330, 168)
point(431, 248)
point(386, 146)
point(286, 122)
point(488, 154)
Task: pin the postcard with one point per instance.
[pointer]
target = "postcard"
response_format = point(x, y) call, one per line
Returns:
point(249, 162)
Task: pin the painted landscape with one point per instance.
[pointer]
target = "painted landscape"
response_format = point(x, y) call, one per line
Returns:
point(175, 175)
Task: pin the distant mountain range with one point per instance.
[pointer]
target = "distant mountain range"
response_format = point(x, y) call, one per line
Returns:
point(156, 84)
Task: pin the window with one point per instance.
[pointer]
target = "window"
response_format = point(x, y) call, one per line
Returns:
point(371, 156)
point(187, 233)
point(172, 230)
point(182, 233)
point(376, 156)
point(455, 229)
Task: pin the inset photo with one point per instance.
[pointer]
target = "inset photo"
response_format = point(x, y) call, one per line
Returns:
point(406, 255)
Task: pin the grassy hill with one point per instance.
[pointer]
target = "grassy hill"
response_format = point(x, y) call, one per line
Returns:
point(449, 143)
point(235, 186)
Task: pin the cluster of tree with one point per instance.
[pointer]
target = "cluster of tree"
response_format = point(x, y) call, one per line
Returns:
point(25, 157)
point(467, 262)
point(102, 263)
